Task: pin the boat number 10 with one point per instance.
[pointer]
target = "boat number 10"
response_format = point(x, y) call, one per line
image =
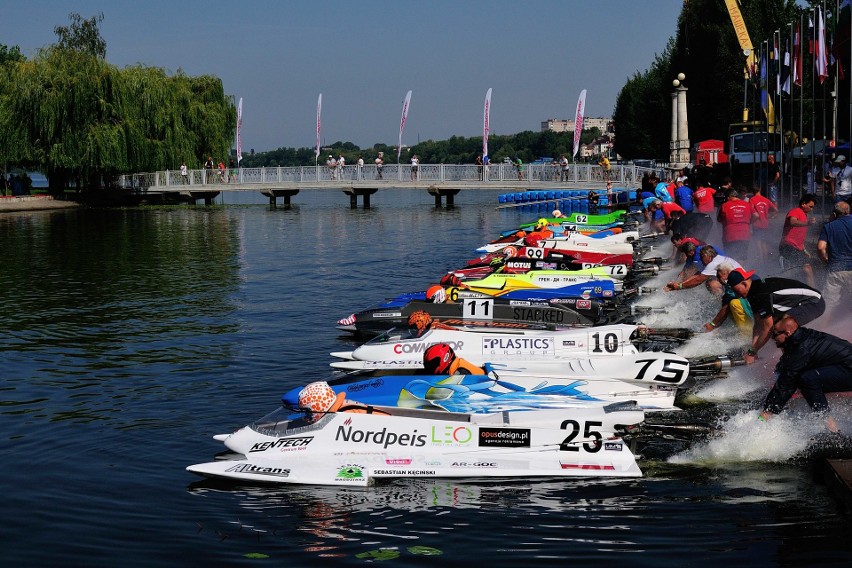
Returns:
point(605, 342)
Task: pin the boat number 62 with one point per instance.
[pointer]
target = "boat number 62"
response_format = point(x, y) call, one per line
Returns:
point(593, 436)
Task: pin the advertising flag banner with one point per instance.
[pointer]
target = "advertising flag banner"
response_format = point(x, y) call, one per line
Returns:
point(319, 113)
point(486, 125)
point(402, 123)
point(578, 121)
point(239, 133)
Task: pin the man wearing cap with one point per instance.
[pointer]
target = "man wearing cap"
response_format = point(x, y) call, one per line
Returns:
point(835, 250)
point(813, 363)
point(770, 300)
point(840, 180)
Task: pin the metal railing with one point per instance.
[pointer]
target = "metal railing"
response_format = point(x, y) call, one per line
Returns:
point(390, 175)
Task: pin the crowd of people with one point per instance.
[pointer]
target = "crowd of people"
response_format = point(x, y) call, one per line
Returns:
point(773, 275)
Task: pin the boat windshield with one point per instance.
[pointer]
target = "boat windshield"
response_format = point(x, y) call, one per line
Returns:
point(392, 335)
point(282, 421)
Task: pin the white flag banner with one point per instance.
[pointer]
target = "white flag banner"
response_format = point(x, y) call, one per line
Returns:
point(319, 122)
point(239, 129)
point(578, 121)
point(821, 55)
point(402, 123)
point(486, 126)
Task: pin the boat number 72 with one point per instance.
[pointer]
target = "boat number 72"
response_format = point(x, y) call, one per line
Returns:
point(589, 431)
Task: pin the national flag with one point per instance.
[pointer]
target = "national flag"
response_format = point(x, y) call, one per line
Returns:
point(765, 100)
point(797, 55)
point(821, 55)
point(811, 34)
point(775, 63)
point(785, 69)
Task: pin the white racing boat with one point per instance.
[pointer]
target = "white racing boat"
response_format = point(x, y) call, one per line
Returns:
point(362, 447)
point(516, 344)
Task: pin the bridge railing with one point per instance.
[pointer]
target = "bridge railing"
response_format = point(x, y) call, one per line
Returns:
point(389, 174)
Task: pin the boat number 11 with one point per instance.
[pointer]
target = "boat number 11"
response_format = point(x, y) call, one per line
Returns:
point(478, 308)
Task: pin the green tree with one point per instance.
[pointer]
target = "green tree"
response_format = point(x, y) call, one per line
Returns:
point(82, 35)
point(706, 50)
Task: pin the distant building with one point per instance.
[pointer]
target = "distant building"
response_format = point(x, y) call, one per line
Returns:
point(559, 125)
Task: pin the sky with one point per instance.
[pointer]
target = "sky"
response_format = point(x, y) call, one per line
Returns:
point(279, 55)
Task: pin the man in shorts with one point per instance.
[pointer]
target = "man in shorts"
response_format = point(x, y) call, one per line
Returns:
point(792, 245)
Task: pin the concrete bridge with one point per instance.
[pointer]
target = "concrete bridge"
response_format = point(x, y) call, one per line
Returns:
point(442, 181)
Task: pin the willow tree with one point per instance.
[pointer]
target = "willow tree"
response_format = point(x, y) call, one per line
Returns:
point(72, 115)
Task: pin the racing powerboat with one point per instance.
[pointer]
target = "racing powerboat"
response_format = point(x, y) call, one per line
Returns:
point(362, 447)
point(515, 344)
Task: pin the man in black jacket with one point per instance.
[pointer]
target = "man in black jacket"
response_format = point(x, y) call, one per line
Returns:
point(770, 300)
point(813, 362)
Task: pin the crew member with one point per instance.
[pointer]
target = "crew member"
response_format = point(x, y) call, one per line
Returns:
point(771, 299)
point(812, 362)
point(440, 359)
point(835, 249)
point(710, 260)
point(738, 309)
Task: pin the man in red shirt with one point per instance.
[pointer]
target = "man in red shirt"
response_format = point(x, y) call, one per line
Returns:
point(792, 246)
point(704, 199)
point(736, 217)
point(667, 208)
point(764, 209)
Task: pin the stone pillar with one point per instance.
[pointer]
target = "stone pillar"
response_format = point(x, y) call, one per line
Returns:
point(679, 145)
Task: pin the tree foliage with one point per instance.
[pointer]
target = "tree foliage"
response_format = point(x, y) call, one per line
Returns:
point(527, 145)
point(82, 35)
point(707, 51)
point(72, 115)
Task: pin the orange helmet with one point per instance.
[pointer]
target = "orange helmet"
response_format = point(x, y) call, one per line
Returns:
point(436, 294)
point(419, 321)
point(438, 358)
point(317, 397)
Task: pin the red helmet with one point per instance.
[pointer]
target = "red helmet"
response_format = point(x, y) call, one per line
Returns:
point(438, 358)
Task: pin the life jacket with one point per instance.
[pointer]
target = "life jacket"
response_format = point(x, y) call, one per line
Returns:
point(462, 367)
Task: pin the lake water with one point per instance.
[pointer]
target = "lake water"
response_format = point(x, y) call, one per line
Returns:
point(129, 337)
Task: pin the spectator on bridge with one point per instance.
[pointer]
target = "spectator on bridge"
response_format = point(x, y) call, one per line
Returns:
point(380, 163)
point(341, 161)
point(479, 165)
point(331, 163)
point(208, 170)
point(221, 171)
point(605, 167)
point(415, 163)
point(360, 167)
point(519, 165)
point(563, 164)
point(184, 174)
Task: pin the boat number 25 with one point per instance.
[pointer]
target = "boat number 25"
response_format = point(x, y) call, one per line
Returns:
point(590, 433)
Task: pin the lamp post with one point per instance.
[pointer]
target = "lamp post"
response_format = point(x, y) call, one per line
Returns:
point(679, 145)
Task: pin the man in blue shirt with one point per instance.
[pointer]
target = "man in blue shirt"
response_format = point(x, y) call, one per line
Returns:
point(835, 249)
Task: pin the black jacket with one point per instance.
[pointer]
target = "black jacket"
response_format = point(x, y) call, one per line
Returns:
point(804, 350)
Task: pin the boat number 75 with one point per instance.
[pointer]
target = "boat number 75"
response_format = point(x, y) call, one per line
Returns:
point(673, 371)
point(589, 431)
